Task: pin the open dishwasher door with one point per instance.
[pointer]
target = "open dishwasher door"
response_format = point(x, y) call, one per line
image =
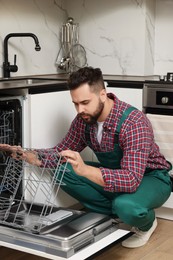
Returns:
point(43, 228)
point(94, 233)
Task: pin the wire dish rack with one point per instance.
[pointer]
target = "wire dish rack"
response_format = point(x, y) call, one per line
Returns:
point(36, 210)
point(6, 126)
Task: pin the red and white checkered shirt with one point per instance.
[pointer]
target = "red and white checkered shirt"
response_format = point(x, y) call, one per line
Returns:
point(136, 140)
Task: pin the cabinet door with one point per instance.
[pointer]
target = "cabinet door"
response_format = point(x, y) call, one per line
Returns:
point(50, 116)
point(128, 95)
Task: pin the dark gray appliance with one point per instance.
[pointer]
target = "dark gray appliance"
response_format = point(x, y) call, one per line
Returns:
point(158, 98)
point(10, 130)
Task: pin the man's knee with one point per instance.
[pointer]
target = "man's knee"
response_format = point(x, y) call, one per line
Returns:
point(128, 210)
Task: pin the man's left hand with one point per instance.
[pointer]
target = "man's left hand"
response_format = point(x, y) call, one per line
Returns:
point(92, 173)
point(75, 159)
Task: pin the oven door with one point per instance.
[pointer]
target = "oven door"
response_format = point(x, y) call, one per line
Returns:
point(158, 99)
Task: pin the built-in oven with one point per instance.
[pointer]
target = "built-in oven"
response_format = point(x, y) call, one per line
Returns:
point(158, 99)
point(158, 106)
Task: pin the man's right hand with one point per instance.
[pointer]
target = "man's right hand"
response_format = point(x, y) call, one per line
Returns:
point(9, 148)
point(18, 153)
point(30, 157)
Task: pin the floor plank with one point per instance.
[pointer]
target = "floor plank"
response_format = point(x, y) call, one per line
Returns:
point(158, 247)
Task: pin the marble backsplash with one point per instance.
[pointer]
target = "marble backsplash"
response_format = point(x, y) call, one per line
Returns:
point(126, 37)
point(118, 35)
point(122, 37)
point(41, 17)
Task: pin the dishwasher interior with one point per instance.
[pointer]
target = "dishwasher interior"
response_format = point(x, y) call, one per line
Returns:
point(29, 214)
point(10, 131)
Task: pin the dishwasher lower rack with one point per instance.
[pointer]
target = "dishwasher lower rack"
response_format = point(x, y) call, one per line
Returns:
point(34, 219)
point(36, 208)
point(6, 126)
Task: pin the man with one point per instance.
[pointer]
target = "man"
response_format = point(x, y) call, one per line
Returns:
point(131, 176)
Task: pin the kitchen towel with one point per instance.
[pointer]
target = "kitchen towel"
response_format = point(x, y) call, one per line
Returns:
point(163, 133)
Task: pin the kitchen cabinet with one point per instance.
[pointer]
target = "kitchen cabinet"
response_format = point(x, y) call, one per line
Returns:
point(132, 96)
point(49, 118)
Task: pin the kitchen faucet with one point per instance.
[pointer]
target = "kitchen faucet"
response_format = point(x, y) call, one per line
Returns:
point(7, 68)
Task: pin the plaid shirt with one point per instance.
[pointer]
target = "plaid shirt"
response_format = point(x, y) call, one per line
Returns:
point(135, 139)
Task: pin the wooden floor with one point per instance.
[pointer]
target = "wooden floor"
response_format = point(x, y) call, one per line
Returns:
point(160, 246)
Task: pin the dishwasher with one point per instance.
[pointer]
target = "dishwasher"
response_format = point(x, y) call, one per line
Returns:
point(30, 220)
point(158, 106)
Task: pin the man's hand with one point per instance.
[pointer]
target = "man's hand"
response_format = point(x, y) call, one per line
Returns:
point(30, 157)
point(76, 161)
point(17, 153)
point(82, 169)
point(8, 148)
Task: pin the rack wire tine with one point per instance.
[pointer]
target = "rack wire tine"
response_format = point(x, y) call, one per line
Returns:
point(33, 209)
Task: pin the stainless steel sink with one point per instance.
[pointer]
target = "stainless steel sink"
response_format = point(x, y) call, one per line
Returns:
point(37, 80)
point(30, 81)
point(32, 85)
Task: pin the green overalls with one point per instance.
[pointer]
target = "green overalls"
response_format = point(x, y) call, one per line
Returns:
point(135, 209)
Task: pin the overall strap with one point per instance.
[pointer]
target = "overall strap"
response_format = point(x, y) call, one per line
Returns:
point(122, 119)
point(87, 135)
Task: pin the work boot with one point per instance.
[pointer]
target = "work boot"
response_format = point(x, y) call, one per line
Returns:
point(140, 238)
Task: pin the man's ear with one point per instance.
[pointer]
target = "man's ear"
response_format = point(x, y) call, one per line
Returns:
point(103, 95)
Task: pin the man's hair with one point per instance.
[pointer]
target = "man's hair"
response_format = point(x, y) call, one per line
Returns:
point(93, 77)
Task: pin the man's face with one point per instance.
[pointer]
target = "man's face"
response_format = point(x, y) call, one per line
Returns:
point(88, 104)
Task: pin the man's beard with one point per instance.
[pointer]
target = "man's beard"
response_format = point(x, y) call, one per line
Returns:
point(92, 119)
